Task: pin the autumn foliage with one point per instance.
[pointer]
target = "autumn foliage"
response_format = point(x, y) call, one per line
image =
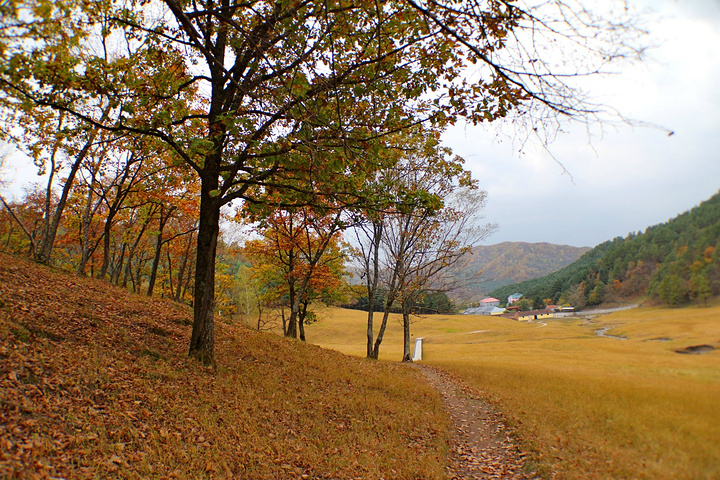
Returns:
point(298, 259)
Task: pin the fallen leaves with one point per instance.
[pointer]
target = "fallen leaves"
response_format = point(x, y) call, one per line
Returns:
point(95, 382)
point(481, 447)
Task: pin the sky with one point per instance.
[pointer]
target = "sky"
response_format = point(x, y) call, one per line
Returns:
point(626, 180)
point(632, 177)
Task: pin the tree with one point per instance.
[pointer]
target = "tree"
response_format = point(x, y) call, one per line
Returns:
point(597, 294)
point(524, 304)
point(433, 205)
point(700, 287)
point(444, 239)
point(538, 303)
point(672, 290)
point(263, 80)
point(304, 246)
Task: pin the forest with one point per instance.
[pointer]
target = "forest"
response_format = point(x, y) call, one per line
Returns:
point(673, 263)
point(155, 124)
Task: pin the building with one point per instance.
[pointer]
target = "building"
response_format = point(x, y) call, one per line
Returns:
point(488, 306)
point(514, 298)
point(490, 301)
point(534, 315)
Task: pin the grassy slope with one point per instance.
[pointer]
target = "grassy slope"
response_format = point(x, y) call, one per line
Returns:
point(95, 382)
point(586, 406)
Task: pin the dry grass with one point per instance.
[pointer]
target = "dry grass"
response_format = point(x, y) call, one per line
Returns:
point(95, 383)
point(585, 406)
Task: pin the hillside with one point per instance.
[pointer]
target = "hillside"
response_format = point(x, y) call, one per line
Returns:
point(95, 382)
point(674, 263)
point(489, 267)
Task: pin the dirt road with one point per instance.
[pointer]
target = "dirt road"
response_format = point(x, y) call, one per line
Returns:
point(481, 447)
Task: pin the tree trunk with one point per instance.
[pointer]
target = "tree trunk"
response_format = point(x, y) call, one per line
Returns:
point(133, 248)
point(115, 275)
point(292, 330)
point(301, 320)
point(51, 232)
point(370, 335)
point(392, 293)
point(164, 217)
point(372, 286)
point(202, 341)
point(407, 357)
point(292, 321)
point(381, 334)
point(183, 267)
point(137, 278)
point(85, 235)
point(106, 245)
point(170, 274)
point(189, 285)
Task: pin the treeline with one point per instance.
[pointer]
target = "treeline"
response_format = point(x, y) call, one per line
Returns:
point(427, 303)
point(675, 263)
point(132, 222)
point(141, 234)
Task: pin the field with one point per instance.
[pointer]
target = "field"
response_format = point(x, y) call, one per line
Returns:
point(585, 406)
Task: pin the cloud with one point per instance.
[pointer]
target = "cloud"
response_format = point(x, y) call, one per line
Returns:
point(625, 178)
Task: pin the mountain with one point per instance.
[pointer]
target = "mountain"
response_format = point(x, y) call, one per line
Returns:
point(674, 263)
point(486, 268)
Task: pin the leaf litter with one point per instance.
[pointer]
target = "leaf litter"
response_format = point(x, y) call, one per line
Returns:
point(95, 382)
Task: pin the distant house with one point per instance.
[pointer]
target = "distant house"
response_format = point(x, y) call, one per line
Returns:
point(514, 298)
point(487, 307)
point(533, 315)
point(490, 301)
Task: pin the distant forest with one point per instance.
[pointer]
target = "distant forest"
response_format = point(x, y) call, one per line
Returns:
point(675, 263)
point(425, 304)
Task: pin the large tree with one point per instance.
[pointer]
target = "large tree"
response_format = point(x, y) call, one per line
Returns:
point(272, 83)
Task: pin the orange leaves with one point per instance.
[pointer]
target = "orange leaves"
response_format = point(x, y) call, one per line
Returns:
point(301, 247)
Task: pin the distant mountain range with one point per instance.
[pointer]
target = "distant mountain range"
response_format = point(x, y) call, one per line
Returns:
point(675, 262)
point(489, 267)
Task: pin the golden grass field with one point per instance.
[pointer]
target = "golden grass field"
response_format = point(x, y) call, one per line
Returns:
point(586, 407)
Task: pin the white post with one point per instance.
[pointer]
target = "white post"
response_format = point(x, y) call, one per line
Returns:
point(417, 355)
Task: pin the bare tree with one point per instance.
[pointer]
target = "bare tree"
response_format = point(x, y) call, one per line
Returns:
point(428, 246)
point(430, 219)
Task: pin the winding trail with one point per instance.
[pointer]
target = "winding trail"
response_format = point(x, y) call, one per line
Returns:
point(481, 447)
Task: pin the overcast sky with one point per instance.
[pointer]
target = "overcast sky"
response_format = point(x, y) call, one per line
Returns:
point(633, 177)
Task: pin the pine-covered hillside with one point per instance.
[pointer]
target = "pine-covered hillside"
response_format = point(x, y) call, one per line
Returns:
point(675, 262)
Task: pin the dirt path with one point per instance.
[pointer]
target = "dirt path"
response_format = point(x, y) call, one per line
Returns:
point(480, 445)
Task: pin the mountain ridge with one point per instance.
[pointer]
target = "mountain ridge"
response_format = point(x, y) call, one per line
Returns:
point(487, 267)
point(673, 262)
